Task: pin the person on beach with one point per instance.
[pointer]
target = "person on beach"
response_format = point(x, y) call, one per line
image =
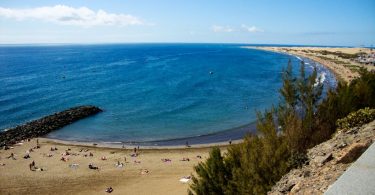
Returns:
point(32, 166)
point(37, 144)
point(26, 156)
point(230, 142)
point(64, 158)
point(109, 190)
point(134, 155)
point(91, 166)
point(12, 156)
point(119, 165)
point(166, 160)
point(144, 171)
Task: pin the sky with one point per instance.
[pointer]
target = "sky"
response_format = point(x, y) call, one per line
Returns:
point(296, 22)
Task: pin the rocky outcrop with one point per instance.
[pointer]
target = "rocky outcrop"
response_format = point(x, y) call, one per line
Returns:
point(327, 161)
point(46, 124)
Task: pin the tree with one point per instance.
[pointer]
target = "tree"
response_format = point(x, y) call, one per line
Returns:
point(213, 175)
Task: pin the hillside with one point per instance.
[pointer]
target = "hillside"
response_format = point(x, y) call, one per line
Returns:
point(326, 162)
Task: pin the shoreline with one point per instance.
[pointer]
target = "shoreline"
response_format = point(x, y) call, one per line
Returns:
point(222, 138)
point(343, 69)
point(325, 64)
point(106, 145)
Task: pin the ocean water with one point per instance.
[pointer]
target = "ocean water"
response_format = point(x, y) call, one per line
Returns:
point(149, 92)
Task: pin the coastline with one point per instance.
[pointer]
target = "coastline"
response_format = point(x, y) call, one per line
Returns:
point(221, 138)
point(61, 177)
point(106, 145)
point(343, 69)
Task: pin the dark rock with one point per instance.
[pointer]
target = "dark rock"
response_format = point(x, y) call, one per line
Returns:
point(46, 124)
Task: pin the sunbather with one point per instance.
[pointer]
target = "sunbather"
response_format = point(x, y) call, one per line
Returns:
point(134, 155)
point(166, 160)
point(26, 156)
point(49, 155)
point(91, 166)
point(12, 156)
point(144, 171)
point(109, 190)
point(64, 158)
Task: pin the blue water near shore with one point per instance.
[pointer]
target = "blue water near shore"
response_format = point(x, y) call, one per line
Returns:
point(150, 93)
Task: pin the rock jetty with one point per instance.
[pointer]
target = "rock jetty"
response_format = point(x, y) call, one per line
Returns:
point(327, 161)
point(46, 124)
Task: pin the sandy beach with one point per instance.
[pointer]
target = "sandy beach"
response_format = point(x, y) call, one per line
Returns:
point(344, 69)
point(73, 176)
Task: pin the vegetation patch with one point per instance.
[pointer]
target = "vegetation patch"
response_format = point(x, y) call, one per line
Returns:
point(357, 118)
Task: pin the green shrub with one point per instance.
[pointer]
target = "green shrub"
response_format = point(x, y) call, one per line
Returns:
point(297, 160)
point(357, 118)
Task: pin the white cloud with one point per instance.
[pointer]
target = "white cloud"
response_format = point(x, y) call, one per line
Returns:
point(251, 29)
point(217, 28)
point(65, 15)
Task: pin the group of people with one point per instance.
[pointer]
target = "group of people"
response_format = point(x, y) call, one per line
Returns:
point(67, 153)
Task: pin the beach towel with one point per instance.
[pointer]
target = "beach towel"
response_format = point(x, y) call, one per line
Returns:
point(184, 180)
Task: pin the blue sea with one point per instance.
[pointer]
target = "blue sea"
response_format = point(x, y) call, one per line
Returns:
point(150, 93)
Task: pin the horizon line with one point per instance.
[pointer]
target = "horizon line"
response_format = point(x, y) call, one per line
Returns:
point(132, 43)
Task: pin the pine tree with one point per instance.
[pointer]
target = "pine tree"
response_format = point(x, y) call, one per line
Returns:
point(213, 175)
